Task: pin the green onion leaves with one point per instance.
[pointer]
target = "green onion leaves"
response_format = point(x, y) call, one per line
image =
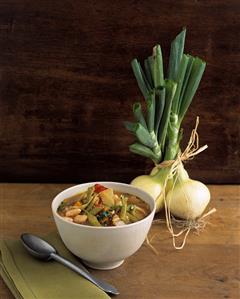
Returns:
point(177, 48)
point(137, 111)
point(141, 133)
point(142, 150)
point(170, 87)
point(197, 69)
point(158, 131)
point(157, 67)
point(141, 79)
point(151, 111)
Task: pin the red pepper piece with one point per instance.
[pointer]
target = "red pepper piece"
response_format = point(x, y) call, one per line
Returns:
point(99, 188)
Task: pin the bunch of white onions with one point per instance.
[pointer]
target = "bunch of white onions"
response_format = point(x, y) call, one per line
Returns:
point(158, 133)
point(186, 198)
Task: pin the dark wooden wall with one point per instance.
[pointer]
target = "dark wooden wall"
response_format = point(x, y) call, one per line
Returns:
point(66, 85)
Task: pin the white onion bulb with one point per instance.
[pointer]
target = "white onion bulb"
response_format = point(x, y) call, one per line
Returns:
point(188, 199)
point(150, 185)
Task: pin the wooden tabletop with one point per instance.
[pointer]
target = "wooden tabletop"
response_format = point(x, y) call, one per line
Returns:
point(208, 266)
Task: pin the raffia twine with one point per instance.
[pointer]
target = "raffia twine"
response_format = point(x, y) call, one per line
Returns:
point(187, 225)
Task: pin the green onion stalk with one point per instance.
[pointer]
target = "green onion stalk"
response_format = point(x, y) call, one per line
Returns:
point(158, 130)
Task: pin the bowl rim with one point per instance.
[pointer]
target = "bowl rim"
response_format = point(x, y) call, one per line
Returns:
point(104, 227)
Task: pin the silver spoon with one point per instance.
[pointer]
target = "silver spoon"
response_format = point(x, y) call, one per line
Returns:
point(40, 249)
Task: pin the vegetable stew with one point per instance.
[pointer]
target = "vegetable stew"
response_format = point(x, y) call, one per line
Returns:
point(101, 206)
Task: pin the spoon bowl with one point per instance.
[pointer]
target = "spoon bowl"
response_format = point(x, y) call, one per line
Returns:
point(37, 247)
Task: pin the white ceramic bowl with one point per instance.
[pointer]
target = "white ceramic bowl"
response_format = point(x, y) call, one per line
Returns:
point(103, 247)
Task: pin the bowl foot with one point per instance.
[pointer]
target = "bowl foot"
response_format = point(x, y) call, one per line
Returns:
point(103, 266)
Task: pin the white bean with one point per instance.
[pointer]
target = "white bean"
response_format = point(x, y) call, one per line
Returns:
point(80, 219)
point(73, 207)
point(73, 213)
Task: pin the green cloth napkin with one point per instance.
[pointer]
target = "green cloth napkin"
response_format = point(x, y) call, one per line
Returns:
point(29, 278)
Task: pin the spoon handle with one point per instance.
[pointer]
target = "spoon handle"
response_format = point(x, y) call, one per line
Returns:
point(101, 284)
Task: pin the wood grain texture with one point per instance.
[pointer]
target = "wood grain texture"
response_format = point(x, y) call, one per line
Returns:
point(207, 268)
point(66, 86)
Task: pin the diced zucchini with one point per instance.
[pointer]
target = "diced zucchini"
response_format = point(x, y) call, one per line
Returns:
point(96, 210)
point(93, 220)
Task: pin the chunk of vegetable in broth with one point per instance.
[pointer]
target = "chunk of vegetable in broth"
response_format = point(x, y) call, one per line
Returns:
point(99, 188)
point(107, 197)
point(139, 213)
point(96, 210)
point(93, 220)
